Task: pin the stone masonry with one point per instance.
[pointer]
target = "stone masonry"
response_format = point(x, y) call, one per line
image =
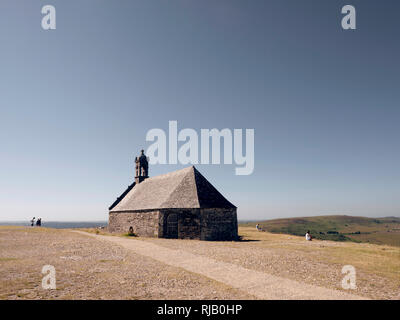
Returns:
point(197, 223)
point(182, 205)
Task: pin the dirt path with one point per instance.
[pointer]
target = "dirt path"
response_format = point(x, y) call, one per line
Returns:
point(89, 269)
point(256, 283)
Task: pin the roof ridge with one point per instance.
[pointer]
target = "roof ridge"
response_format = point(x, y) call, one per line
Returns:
point(213, 195)
point(195, 186)
point(184, 188)
point(178, 185)
point(167, 174)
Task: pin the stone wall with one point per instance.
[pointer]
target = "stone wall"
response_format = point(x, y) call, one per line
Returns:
point(189, 223)
point(219, 224)
point(144, 223)
point(205, 224)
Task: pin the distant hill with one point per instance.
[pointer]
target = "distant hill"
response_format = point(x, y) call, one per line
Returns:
point(337, 228)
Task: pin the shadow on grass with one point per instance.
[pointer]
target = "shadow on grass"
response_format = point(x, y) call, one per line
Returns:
point(129, 235)
point(240, 239)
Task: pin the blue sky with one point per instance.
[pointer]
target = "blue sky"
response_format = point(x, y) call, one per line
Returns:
point(76, 102)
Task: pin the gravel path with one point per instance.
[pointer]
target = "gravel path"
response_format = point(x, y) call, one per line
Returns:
point(90, 269)
point(256, 283)
point(311, 262)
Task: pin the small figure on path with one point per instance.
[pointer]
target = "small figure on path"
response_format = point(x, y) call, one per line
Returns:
point(258, 227)
point(308, 236)
point(33, 222)
point(39, 222)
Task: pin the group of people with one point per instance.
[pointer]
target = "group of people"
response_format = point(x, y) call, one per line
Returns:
point(38, 222)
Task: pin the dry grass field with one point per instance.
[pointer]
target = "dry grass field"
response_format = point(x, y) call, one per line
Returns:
point(384, 231)
point(318, 262)
point(91, 269)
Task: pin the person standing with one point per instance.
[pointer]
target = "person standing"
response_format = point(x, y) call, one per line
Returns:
point(33, 222)
point(308, 236)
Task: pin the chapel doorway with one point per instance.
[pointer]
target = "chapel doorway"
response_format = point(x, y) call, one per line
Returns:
point(172, 226)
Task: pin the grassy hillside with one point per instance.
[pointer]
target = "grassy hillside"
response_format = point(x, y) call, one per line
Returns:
point(337, 228)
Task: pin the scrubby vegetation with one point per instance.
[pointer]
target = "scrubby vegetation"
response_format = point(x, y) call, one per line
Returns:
point(338, 228)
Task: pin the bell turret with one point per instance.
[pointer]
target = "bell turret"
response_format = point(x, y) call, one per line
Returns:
point(141, 168)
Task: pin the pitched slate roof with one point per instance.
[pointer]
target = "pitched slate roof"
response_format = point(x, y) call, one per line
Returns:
point(184, 189)
point(122, 196)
